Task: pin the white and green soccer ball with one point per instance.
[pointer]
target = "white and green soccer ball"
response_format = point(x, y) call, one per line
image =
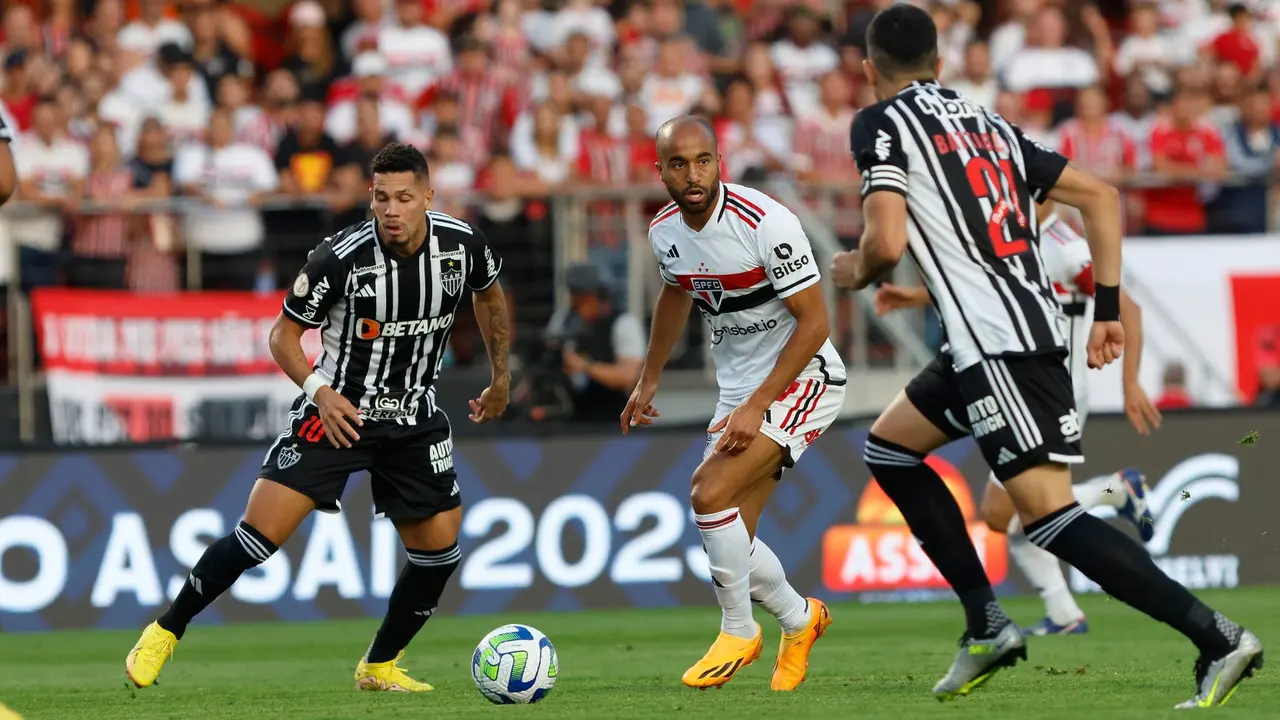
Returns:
point(514, 664)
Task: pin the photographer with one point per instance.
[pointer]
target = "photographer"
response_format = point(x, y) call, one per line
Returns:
point(592, 354)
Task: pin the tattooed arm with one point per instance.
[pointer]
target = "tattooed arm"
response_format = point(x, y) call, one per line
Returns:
point(491, 316)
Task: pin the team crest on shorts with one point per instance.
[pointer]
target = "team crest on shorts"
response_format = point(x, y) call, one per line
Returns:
point(451, 277)
point(288, 457)
point(302, 285)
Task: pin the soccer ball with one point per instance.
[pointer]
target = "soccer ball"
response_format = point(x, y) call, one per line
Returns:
point(514, 664)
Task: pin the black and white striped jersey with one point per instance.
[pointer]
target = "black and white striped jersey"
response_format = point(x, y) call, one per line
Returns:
point(7, 126)
point(385, 320)
point(971, 180)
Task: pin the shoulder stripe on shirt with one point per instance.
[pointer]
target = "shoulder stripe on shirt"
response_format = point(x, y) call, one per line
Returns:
point(752, 206)
point(350, 243)
point(450, 222)
point(742, 211)
point(665, 213)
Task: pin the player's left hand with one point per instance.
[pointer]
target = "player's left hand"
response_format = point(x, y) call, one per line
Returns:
point(490, 405)
point(1106, 343)
point(1142, 413)
point(740, 427)
point(844, 269)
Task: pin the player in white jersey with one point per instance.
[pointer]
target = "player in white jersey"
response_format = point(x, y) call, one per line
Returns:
point(743, 260)
point(1069, 267)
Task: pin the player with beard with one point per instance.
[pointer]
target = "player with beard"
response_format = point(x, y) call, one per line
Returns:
point(743, 260)
point(383, 294)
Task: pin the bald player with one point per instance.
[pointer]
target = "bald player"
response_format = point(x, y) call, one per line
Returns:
point(743, 260)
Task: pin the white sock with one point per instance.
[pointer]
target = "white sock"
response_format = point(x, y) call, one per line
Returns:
point(1107, 490)
point(1044, 571)
point(770, 589)
point(729, 554)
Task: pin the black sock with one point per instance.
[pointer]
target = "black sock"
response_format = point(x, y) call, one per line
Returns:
point(225, 561)
point(413, 600)
point(1126, 572)
point(938, 524)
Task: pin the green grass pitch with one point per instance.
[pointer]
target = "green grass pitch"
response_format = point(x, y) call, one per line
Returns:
point(877, 661)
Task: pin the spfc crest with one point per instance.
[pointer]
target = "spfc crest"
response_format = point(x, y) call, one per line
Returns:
point(288, 457)
point(451, 277)
point(709, 290)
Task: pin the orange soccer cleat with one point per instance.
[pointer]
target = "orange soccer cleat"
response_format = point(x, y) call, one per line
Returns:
point(793, 652)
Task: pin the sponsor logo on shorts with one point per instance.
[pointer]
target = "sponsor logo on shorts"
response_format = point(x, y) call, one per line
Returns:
point(810, 436)
point(718, 333)
point(441, 456)
point(370, 329)
point(288, 457)
point(985, 417)
point(1069, 425)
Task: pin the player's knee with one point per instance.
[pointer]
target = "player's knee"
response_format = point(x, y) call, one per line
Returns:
point(709, 494)
point(997, 511)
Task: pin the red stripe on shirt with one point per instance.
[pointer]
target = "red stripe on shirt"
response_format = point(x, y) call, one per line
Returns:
point(745, 217)
point(746, 202)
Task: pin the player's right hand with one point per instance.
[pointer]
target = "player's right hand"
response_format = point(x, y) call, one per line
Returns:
point(335, 411)
point(1106, 343)
point(640, 409)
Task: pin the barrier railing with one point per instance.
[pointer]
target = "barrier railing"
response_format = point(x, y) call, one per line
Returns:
point(175, 242)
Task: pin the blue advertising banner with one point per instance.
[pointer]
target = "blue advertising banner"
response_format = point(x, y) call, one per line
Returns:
point(106, 538)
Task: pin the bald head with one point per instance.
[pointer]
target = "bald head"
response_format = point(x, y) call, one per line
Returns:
point(682, 129)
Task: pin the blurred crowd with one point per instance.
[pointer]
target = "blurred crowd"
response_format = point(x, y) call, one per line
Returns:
point(266, 120)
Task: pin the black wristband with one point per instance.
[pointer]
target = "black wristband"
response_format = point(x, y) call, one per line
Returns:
point(1106, 303)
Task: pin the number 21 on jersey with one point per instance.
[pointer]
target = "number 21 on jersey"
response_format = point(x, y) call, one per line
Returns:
point(998, 186)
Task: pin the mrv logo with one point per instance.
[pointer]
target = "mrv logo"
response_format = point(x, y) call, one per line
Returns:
point(1211, 476)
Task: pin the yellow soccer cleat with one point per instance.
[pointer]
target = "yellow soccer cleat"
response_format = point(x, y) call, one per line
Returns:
point(7, 714)
point(728, 655)
point(387, 676)
point(793, 652)
point(149, 655)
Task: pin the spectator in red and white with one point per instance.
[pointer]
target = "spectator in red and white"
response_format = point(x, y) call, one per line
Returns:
point(312, 58)
point(153, 29)
point(101, 241)
point(486, 100)
point(265, 130)
point(644, 153)
point(954, 36)
point(352, 177)
point(183, 114)
point(504, 33)
point(150, 83)
point(231, 178)
point(751, 145)
point(576, 64)
point(547, 150)
point(603, 151)
point(1011, 35)
point(822, 154)
point(445, 111)
point(1136, 116)
point(1182, 15)
point(557, 93)
point(451, 176)
point(105, 24)
point(233, 93)
point(1046, 62)
point(801, 58)
point(212, 57)
point(51, 170)
point(587, 18)
point(79, 58)
point(1148, 52)
point(976, 81)
point(1094, 141)
point(670, 90)
point(758, 67)
point(18, 95)
point(1241, 44)
point(362, 34)
point(307, 155)
point(1187, 151)
point(368, 79)
point(598, 91)
point(417, 54)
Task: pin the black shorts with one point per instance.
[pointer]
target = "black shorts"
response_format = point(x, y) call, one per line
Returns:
point(410, 466)
point(1020, 410)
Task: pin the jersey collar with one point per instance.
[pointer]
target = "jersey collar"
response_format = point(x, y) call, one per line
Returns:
point(919, 84)
point(721, 199)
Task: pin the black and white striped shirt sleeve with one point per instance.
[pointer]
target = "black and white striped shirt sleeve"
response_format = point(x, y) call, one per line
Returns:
point(878, 153)
point(1043, 166)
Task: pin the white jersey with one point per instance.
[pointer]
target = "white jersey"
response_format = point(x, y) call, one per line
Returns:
point(1069, 266)
point(751, 255)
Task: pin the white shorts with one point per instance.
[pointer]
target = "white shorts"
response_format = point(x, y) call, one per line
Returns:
point(794, 420)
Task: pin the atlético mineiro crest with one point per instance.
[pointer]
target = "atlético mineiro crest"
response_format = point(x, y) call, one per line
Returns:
point(288, 457)
point(707, 287)
point(451, 277)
